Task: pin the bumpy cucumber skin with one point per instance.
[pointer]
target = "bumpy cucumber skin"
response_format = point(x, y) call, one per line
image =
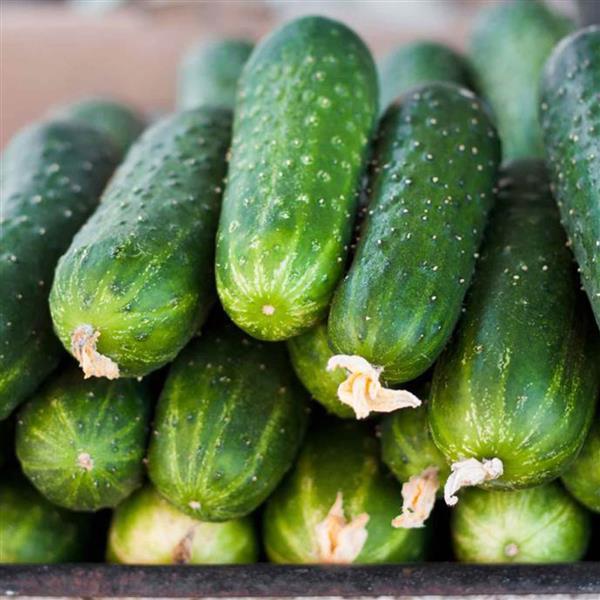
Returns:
point(520, 378)
point(570, 118)
point(34, 531)
point(146, 529)
point(339, 456)
point(307, 103)
point(229, 423)
point(508, 48)
point(117, 121)
point(309, 354)
point(418, 63)
point(582, 479)
point(544, 524)
point(140, 270)
point(209, 73)
point(71, 417)
point(436, 160)
point(52, 176)
point(407, 447)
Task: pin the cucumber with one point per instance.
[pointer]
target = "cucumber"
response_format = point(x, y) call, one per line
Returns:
point(513, 395)
point(570, 121)
point(417, 63)
point(148, 530)
point(436, 159)
point(52, 176)
point(34, 531)
point(209, 73)
point(337, 505)
point(307, 105)
point(538, 525)
point(138, 275)
point(228, 425)
point(118, 121)
point(508, 48)
point(583, 478)
point(82, 443)
point(310, 353)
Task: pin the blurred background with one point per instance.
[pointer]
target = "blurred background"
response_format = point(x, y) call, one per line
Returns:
point(53, 52)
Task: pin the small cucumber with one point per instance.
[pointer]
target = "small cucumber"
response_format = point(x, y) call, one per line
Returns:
point(118, 121)
point(148, 530)
point(513, 395)
point(508, 48)
point(570, 118)
point(229, 423)
point(209, 73)
point(436, 158)
point(310, 353)
point(137, 281)
point(307, 105)
point(582, 479)
point(539, 525)
point(52, 176)
point(418, 63)
point(34, 531)
point(337, 505)
point(82, 442)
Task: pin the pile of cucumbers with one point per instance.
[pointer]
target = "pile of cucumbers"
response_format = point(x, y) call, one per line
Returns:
point(299, 317)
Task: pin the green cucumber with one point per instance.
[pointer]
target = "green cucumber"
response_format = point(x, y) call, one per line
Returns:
point(508, 48)
point(436, 159)
point(417, 63)
point(307, 105)
point(138, 275)
point(148, 530)
point(209, 73)
point(228, 425)
point(34, 531)
point(582, 479)
point(538, 525)
point(339, 465)
point(118, 121)
point(310, 353)
point(570, 118)
point(52, 176)
point(520, 379)
point(82, 442)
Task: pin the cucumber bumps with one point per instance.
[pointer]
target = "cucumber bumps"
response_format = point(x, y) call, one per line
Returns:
point(136, 283)
point(570, 117)
point(436, 159)
point(514, 393)
point(52, 176)
point(307, 102)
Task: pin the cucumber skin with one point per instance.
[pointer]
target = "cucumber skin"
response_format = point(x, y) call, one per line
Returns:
point(307, 102)
point(116, 120)
point(484, 522)
point(339, 456)
point(52, 176)
point(140, 270)
point(402, 296)
point(209, 73)
point(583, 478)
point(143, 527)
point(309, 353)
point(568, 111)
point(34, 531)
point(228, 425)
point(520, 379)
point(109, 420)
point(508, 48)
point(418, 63)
